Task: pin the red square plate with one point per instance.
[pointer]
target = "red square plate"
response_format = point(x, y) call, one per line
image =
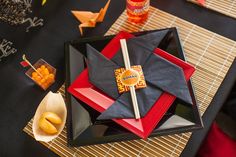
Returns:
point(85, 91)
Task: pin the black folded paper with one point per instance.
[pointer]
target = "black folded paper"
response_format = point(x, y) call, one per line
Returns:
point(160, 74)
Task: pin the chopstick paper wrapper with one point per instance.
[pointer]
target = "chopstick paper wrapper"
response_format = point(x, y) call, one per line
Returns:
point(52, 102)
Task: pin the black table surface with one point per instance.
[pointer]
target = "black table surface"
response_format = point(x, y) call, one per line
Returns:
point(20, 97)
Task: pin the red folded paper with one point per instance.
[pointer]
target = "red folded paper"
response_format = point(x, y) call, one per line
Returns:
point(24, 64)
point(202, 2)
point(85, 91)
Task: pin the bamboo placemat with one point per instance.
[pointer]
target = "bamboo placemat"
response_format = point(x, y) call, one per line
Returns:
point(209, 52)
point(226, 7)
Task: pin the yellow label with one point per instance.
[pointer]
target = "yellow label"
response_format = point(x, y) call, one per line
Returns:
point(130, 77)
point(124, 88)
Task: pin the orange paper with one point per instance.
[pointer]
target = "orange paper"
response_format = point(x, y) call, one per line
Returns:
point(122, 87)
point(88, 18)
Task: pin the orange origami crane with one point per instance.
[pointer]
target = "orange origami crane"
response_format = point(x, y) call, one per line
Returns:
point(89, 19)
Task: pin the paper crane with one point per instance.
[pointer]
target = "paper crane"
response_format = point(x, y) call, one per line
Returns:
point(88, 18)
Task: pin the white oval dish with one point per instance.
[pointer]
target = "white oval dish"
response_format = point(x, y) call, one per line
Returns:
point(52, 102)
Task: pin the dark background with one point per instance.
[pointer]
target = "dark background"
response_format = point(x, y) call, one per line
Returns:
point(20, 97)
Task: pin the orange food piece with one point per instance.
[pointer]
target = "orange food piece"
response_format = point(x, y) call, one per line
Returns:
point(39, 70)
point(47, 78)
point(34, 74)
point(49, 81)
point(43, 67)
point(34, 78)
point(42, 80)
point(38, 78)
point(44, 86)
point(51, 76)
point(45, 72)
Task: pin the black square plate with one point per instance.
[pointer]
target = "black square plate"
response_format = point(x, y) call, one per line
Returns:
point(82, 126)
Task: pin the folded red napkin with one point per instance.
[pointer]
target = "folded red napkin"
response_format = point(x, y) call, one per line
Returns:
point(217, 144)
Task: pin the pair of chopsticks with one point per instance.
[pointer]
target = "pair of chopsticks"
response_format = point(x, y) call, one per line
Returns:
point(128, 67)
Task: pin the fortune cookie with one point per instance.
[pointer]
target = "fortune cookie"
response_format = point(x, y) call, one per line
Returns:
point(47, 122)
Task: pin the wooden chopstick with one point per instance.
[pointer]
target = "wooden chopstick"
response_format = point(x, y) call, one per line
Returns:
point(128, 66)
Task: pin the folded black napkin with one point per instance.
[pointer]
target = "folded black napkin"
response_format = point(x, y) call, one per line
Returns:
point(160, 74)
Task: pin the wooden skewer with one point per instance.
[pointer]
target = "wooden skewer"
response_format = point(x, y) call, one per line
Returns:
point(127, 66)
point(26, 60)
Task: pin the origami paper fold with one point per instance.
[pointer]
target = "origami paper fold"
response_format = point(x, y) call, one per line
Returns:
point(160, 74)
point(88, 18)
point(202, 2)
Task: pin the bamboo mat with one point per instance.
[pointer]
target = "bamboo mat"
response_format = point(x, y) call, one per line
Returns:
point(226, 7)
point(212, 56)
